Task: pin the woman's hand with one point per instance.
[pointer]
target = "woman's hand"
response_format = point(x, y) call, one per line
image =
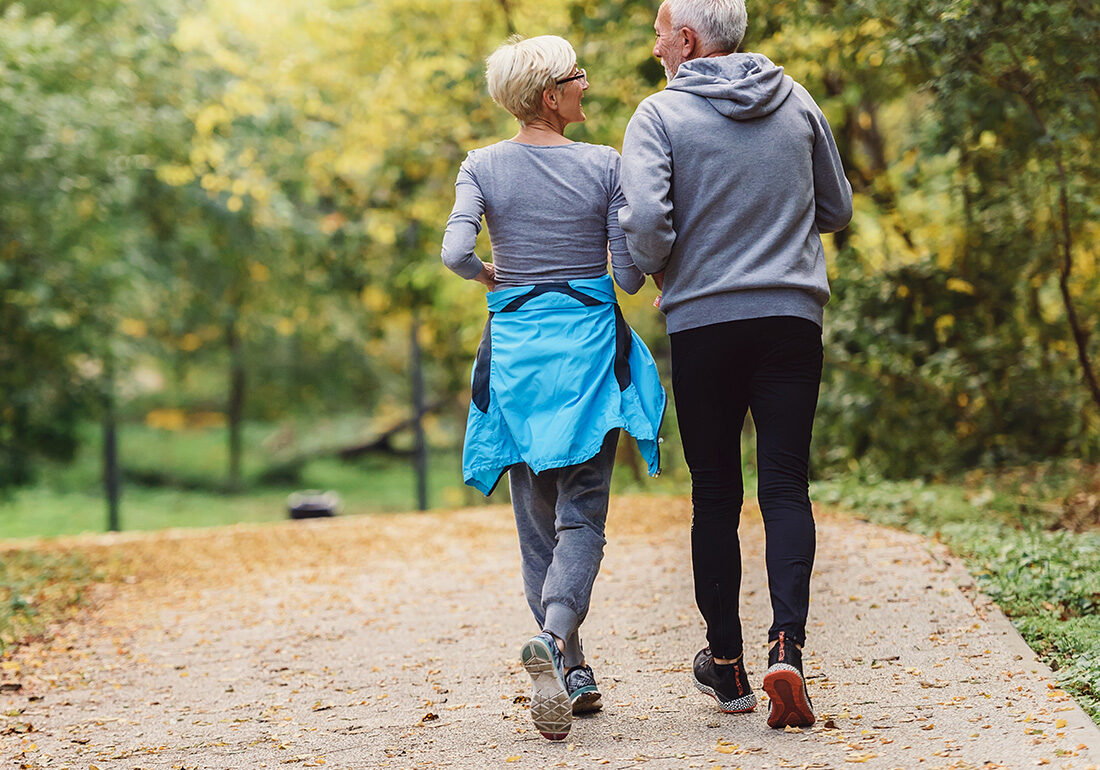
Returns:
point(487, 276)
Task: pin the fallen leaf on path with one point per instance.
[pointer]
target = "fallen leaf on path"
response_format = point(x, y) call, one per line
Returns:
point(857, 758)
point(19, 728)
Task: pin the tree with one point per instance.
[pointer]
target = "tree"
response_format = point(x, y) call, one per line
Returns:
point(67, 172)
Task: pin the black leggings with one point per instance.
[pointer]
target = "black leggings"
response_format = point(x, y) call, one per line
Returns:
point(773, 367)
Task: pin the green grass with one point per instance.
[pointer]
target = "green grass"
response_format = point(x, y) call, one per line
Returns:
point(68, 499)
point(37, 588)
point(1047, 580)
point(371, 486)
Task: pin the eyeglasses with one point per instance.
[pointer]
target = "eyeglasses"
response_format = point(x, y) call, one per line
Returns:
point(581, 75)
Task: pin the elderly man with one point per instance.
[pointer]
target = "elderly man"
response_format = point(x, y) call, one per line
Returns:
point(730, 175)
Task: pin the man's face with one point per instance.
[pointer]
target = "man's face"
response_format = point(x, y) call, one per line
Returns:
point(667, 47)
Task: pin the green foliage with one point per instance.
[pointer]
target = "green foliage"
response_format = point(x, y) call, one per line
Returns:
point(976, 348)
point(62, 185)
point(915, 346)
point(181, 197)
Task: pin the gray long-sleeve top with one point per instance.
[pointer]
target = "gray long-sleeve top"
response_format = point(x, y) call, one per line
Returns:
point(730, 175)
point(552, 211)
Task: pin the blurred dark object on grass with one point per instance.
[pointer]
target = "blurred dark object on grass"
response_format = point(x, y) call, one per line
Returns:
point(313, 504)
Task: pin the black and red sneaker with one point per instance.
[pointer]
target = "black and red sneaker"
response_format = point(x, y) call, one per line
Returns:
point(786, 686)
point(727, 683)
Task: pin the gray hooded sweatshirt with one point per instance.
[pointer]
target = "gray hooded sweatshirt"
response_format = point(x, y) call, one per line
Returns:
point(730, 175)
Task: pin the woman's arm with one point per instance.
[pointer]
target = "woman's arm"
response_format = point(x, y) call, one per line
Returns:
point(462, 228)
point(623, 269)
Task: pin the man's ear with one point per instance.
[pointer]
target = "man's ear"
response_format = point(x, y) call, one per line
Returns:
point(689, 43)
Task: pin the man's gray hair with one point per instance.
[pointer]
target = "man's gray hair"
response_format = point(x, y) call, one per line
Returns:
point(720, 24)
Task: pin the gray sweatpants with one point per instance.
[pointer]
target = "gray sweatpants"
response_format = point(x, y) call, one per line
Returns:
point(560, 515)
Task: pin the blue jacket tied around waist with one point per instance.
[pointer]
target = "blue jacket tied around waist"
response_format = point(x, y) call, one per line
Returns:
point(558, 368)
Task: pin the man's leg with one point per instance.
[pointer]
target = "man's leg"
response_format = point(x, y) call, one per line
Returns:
point(709, 374)
point(783, 399)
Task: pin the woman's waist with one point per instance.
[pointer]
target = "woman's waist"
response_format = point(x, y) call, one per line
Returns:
point(511, 277)
point(583, 295)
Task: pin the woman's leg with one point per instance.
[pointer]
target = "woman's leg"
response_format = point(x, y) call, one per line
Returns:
point(534, 500)
point(580, 514)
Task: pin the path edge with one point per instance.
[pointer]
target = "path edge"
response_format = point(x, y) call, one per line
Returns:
point(1078, 722)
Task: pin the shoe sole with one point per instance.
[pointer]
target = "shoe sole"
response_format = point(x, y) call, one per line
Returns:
point(551, 709)
point(742, 705)
point(790, 705)
point(586, 702)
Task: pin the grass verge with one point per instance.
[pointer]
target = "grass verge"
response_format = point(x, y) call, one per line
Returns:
point(38, 588)
point(1046, 579)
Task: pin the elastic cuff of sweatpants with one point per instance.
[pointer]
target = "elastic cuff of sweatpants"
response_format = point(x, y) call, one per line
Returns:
point(561, 621)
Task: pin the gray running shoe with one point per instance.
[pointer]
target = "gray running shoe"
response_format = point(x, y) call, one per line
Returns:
point(581, 683)
point(551, 709)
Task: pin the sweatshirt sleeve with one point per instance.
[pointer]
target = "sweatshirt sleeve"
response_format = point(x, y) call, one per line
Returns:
point(647, 186)
point(626, 273)
point(464, 224)
point(832, 191)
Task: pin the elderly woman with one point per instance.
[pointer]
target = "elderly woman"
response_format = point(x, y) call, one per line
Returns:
point(558, 371)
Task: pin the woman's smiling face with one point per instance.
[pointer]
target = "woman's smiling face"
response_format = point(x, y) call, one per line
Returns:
point(573, 87)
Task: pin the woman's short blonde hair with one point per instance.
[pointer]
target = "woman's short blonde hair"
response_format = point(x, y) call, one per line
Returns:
point(520, 70)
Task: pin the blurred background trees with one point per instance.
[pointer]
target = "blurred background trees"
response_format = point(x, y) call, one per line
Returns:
point(220, 223)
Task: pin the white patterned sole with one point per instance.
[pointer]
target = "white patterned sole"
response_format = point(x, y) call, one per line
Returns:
point(735, 706)
point(551, 709)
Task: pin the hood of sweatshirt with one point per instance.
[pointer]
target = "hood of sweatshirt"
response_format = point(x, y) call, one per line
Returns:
point(741, 86)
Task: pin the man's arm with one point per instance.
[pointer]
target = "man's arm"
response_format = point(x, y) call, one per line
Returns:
point(647, 185)
point(832, 191)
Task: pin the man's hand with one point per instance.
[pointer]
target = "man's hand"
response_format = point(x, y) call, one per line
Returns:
point(659, 279)
point(487, 276)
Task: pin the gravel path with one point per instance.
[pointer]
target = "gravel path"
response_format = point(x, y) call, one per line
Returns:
point(392, 641)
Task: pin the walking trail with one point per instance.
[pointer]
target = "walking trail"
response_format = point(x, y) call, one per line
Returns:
point(392, 641)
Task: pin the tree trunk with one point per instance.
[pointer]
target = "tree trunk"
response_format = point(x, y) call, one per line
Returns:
point(1080, 333)
point(508, 17)
point(421, 451)
point(111, 485)
point(235, 407)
